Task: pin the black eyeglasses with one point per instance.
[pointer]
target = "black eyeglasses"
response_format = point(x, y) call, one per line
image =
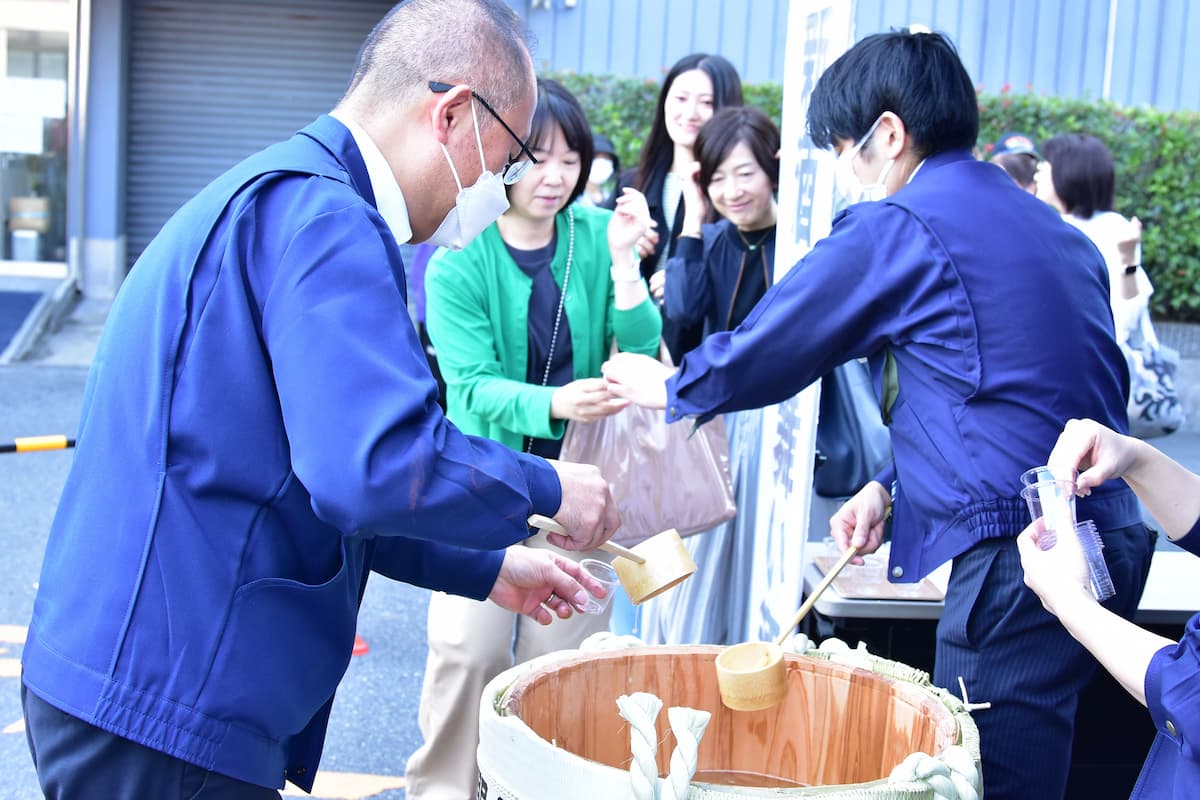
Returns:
point(513, 169)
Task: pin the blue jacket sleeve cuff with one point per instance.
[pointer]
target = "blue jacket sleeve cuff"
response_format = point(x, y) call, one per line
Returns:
point(545, 490)
point(689, 248)
point(438, 566)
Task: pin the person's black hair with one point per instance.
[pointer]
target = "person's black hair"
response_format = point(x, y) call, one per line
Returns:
point(730, 127)
point(917, 76)
point(604, 146)
point(659, 151)
point(1081, 168)
point(1019, 166)
point(556, 106)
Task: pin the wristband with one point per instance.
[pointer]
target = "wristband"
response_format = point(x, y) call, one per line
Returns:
point(1131, 269)
point(625, 274)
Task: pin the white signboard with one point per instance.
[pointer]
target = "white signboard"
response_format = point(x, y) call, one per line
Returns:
point(818, 32)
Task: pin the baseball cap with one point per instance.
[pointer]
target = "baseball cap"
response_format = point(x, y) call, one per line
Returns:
point(1017, 143)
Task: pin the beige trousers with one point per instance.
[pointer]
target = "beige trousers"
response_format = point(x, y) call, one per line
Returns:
point(471, 642)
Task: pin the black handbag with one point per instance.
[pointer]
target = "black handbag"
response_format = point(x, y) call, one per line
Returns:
point(852, 440)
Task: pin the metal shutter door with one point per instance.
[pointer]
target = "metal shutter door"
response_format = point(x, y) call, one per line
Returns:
point(212, 82)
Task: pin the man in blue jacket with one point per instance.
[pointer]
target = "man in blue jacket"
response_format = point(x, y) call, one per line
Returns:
point(986, 322)
point(260, 432)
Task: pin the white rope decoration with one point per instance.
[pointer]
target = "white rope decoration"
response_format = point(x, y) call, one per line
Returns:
point(640, 710)
point(951, 776)
point(688, 725)
point(967, 704)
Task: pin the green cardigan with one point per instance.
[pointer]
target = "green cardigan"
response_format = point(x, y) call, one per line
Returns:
point(477, 308)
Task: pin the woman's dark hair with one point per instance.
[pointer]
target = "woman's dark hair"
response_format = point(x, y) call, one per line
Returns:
point(1081, 168)
point(557, 106)
point(730, 127)
point(916, 76)
point(659, 151)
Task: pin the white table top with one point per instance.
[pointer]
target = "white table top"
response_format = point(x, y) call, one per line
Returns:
point(1171, 596)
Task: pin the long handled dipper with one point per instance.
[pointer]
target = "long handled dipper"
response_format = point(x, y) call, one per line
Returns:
point(752, 675)
point(646, 569)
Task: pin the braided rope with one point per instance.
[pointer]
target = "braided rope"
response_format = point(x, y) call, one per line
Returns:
point(640, 710)
point(688, 725)
point(950, 776)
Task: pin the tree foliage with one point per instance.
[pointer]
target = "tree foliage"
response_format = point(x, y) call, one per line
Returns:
point(1155, 152)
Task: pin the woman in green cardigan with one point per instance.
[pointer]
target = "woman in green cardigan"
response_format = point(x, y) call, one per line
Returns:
point(521, 356)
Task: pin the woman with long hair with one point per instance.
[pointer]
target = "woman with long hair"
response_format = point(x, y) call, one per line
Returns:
point(696, 87)
point(522, 319)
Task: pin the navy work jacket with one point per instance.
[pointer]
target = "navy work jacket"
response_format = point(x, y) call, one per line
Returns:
point(259, 431)
point(995, 315)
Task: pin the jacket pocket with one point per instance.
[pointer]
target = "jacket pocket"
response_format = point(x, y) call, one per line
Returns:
point(285, 647)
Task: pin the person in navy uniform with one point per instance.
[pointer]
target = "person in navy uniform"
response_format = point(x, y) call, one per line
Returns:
point(986, 324)
point(260, 431)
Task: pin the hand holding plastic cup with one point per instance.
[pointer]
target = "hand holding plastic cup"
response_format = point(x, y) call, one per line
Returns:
point(604, 574)
point(1054, 501)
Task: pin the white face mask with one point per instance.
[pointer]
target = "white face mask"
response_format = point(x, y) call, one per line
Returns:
point(846, 182)
point(602, 170)
point(476, 206)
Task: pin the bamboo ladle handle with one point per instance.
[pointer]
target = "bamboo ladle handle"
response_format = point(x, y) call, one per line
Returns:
point(850, 553)
point(548, 524)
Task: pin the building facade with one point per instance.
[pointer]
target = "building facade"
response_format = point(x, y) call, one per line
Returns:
point(152, 99)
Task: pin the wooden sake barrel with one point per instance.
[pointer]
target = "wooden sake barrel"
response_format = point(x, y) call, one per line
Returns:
point(29, 214)
point(839, 725)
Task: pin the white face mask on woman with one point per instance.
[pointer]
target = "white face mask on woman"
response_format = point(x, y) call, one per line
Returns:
point(476, 206)
point(602, 170)
point(846, 182)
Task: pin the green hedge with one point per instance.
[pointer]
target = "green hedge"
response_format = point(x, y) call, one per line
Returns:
point(1156, 155)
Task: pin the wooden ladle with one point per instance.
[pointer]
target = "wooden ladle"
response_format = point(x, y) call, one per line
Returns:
point(645, 570)
point(751, 676)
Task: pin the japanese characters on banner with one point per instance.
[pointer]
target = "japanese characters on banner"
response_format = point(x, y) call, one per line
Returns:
point(818, 32)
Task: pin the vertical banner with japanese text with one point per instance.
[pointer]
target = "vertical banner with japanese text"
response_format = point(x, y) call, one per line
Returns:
point(818, 32)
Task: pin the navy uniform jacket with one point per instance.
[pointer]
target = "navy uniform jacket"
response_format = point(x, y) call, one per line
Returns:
point(1172, 686)
point(995, 315)
point(259, 431)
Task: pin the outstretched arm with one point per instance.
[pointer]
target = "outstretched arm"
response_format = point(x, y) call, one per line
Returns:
point(1170, 492)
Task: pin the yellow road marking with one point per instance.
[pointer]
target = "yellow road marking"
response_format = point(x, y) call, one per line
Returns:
point(13, 634)
point(347, 786)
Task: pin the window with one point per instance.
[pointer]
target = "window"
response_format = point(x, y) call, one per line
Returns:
point(33, 143)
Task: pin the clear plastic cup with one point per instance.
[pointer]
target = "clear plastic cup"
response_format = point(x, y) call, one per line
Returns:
point(873, 570)
point(1053, 501)
point(604, 574)
point(1040, 474)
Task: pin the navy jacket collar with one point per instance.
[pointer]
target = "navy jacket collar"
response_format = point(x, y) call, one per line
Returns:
point(336, 138)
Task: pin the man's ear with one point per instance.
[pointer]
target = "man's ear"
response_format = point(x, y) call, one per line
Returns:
point(890, 137)
point(447, 110)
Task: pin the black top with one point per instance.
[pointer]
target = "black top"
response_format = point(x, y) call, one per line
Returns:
point(543, 307)
point(718, 279)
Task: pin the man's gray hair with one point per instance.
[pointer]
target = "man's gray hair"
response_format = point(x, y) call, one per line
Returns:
point(481, 43)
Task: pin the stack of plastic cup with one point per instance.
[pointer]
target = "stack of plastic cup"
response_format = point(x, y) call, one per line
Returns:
point(1053, 499)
